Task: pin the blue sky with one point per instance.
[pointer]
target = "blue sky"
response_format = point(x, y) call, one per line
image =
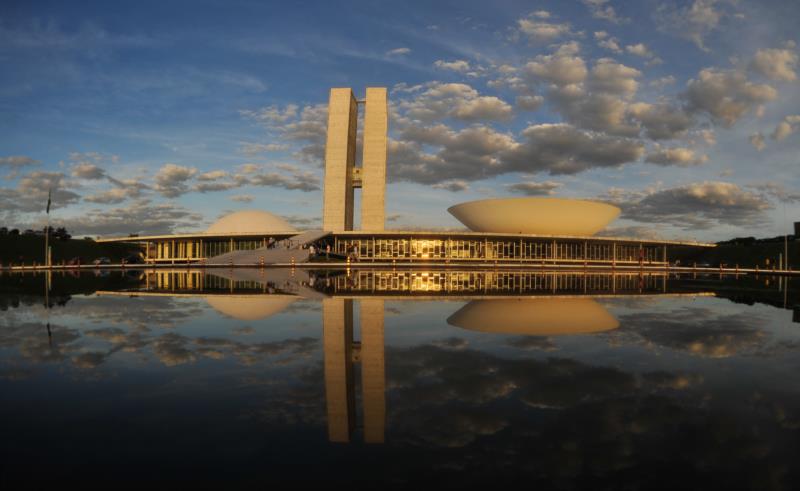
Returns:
point(158, 117)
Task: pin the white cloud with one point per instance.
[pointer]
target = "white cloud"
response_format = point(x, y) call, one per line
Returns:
point(398, 52)
point(614, 78)
point(692, 22)
point(639, 49)
point(529, 102)
point(532, 188)
point(456, 185)
point(758, 141)
point(786, 127)
point(171, 180)
point(694, 206)
point(454, 100)
point(680, 156)
point(271, 114)
point(253, 149)
point(142, 217)
point(564, 149)
point(775, 64)
point(559, 69)
point(540, 31)
point(461, 66)
point(242, 198)
point(726, 95)
point(601, 9)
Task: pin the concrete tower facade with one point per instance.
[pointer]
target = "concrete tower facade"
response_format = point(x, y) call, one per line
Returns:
point(373, 179)
point(341, 174)
point(340, 158)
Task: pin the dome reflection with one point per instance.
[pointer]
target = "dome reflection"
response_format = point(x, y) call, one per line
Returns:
point(551, 316)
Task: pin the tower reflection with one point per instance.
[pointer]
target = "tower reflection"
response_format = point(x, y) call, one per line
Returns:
point(341, 353)
point(499, 302)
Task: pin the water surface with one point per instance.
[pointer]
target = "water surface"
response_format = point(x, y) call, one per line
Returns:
point(459, 378)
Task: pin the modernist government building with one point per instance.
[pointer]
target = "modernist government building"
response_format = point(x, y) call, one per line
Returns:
point(536, 231)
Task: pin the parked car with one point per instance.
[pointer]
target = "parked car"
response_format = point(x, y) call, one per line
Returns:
point(101, 260)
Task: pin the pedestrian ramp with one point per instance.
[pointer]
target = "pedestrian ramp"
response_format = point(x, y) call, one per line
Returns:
point(288, 250)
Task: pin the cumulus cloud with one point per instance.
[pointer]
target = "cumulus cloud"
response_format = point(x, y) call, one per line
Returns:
point(564, 149)
point(253, 149)
point(559, 69)
point(461, 66)
point(88, 171)
point(776, 64)
point(726, 95)
point(298, 180)
point(242, 198)
point(608, 42)
point(680, 156)
point(459, 101)
point(777, 191)
point(758, 141)
point(30, 194)
point(694, 206)
point(469, 154)
point(538, 30)
point(212, 175)
point(291, 125)
point(142, 217)
point(15, 162)
point(661, 121)
point(614, 78)
point(529, 102)
point(271, 115)
point(532, 188)
point(601, 9)
point(786, 127)
point(171, 180)
point(112, 196)
point(692, 22)
point(455, 185)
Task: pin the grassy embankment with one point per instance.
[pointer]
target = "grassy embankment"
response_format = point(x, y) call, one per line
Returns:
point(28, 249)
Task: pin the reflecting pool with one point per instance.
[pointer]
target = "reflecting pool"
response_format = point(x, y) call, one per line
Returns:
point(458, 378)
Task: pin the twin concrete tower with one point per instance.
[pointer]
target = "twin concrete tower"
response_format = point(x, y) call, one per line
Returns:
point(341, 174)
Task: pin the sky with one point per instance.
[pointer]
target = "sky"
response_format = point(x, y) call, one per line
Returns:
point(160, 117)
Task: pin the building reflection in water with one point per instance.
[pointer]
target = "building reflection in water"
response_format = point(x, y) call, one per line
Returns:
point(511, 302)
point(341, 353)
point(548, 316)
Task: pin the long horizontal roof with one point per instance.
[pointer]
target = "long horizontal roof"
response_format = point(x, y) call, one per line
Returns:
point(406, 233)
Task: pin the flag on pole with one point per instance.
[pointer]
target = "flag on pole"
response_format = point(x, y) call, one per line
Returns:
point(49, 191)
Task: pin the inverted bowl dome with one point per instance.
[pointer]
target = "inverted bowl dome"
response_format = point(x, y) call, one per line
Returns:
point(540, 216)
point(249, 221)
point(249, 307)
point(549, 316)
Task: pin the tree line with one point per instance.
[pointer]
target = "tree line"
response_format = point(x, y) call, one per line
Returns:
point(57, 232)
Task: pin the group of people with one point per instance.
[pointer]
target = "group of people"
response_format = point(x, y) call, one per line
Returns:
point(317, 248)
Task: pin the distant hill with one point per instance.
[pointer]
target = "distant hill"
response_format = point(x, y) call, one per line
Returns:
point(30, 248)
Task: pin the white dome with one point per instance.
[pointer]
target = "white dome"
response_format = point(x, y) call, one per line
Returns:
point(249, 307)
point(542, 216)
point(547, 316)
point(249, 221)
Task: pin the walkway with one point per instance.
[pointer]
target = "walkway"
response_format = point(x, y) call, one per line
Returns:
point(284, 252)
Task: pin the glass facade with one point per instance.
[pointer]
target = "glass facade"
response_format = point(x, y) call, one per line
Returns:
point(498, 249)
point(432, 248)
